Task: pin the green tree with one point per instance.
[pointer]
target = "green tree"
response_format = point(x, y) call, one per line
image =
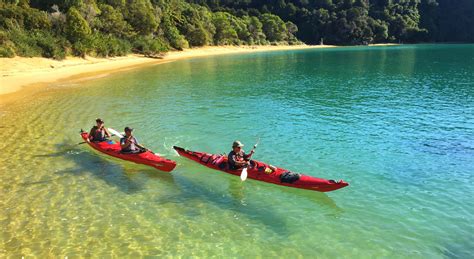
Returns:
point(172, 34)
point(77, 28)
point(7, 47)
point(111, 21)
point(240, 28)
point(379, 29)
point(23, 17)
point(114, 3)
point(225, 33)
point(149, 46)
point(274, 27)
point(142, 16)
point(198, 36)
point(254, 27)
point(292, 29)
point(196, 25)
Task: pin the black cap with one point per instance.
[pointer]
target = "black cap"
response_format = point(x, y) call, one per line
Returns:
point(128, 129)
point(99, 120)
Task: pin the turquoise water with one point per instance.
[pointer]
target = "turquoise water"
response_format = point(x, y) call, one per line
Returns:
point(397, 123)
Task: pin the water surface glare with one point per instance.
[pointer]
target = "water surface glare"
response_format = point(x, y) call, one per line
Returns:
point(397, 123)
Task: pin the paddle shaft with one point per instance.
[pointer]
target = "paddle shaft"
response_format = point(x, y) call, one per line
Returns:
point(244, 174)
point(253, 149)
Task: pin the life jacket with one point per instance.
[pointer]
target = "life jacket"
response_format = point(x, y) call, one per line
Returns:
point(98, 134)
point(239, 157)
point(132, 146)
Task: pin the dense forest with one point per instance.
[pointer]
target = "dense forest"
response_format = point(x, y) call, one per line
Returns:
point(57, 28)
point(364, 21)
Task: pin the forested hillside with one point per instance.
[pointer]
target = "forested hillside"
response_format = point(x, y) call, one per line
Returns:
point(56, 28)
point(364, 21)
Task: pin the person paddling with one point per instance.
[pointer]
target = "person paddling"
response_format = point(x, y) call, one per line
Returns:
point(129, 143)
point(98, 132)
point(237, 158)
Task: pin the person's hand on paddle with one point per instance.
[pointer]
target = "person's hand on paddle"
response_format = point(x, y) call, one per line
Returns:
point(144, 149)
point(243, 175)
point(107, 133)
point(128, 142)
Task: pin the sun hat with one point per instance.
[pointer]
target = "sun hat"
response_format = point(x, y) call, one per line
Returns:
point(237, 144)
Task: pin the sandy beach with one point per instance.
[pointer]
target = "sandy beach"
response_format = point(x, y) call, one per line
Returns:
point(17, 74)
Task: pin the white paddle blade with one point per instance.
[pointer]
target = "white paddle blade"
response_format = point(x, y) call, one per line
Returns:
point(116, 133)
point(243, 175)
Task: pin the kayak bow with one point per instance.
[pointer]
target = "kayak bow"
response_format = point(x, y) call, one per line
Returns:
point(262, 172)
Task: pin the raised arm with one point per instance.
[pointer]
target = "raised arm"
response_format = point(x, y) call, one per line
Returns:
point(107, 132)
point(248, 156)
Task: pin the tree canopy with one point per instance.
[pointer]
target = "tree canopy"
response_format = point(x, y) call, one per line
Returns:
point(362, 21)
point(56, 28)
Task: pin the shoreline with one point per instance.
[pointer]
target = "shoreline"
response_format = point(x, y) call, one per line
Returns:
point(20, 75)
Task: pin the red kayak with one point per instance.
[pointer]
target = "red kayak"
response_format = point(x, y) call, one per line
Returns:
point(112, 148)
point(264, 172)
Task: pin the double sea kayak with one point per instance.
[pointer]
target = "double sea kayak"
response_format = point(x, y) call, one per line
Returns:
point(264, 172)
point(112, 148)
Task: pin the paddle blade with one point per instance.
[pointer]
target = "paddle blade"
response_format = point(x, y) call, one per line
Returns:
point(116, 133)
point(243, 175)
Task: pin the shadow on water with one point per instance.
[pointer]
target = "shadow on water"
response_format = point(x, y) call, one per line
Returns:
point(86, 162)
point(320, 198)
point(121, 177)
point(237, 190)
point(190, 190)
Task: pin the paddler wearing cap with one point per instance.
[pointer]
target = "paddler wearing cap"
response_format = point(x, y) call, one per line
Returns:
point(237, 158)
point(98, 132)
point(129, 143)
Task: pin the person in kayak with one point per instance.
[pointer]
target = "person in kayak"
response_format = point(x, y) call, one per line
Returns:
point(99, 133)
point(129, 143)
point(237, 158)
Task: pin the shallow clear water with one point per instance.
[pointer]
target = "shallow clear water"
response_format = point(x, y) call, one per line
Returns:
point(397, 123)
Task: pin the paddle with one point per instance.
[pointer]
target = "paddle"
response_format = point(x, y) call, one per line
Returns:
point(243, 175)
point(114, 132)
